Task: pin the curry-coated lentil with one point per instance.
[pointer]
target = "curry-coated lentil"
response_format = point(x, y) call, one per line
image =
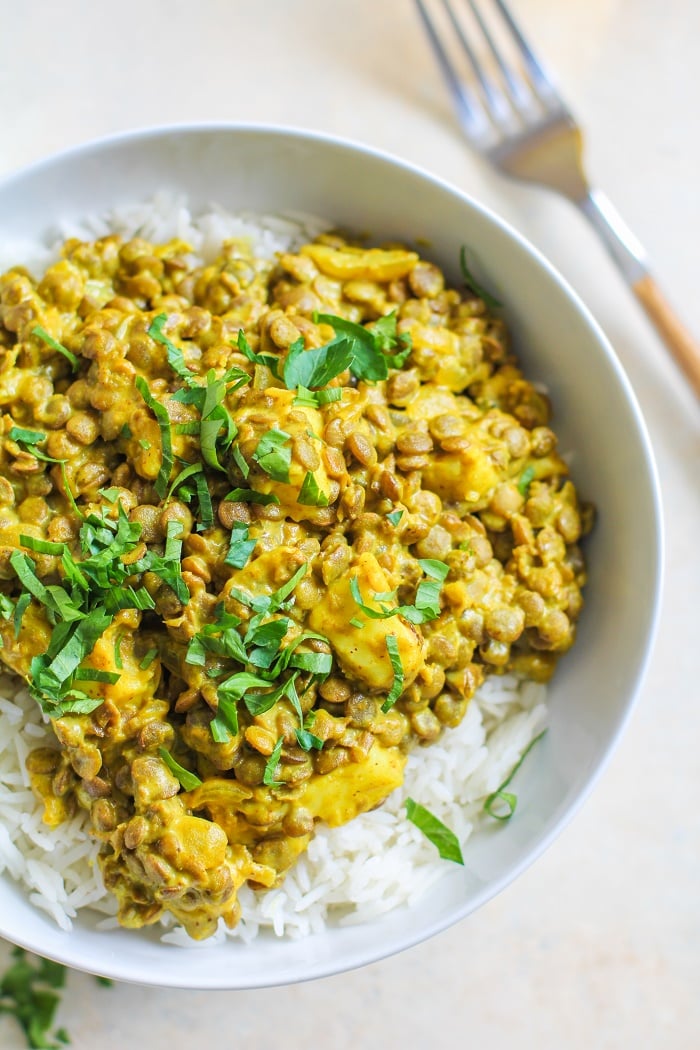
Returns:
point(243, 574)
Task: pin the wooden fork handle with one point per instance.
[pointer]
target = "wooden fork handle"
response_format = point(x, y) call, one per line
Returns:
point(630, 257)
point(676, 336)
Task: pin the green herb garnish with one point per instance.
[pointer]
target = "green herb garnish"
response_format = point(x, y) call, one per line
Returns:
point(426, 606)
point(148, 659)
point(163, 419)
point(367, 346)
point(472, 283)
point(305, 738)
point(241, 547)
point(42, 546)
point(225, 724)
point(29, 992)
point(316, 368)
point(274, 455)
point(435, 831)
point(525, 481)
point(318, 398)
point(42, 334)
point(392, 647)
point(507, 798)
point(189, 781)
point(395, 517)
point(175, 356)
point(31, 438)
point(266, 360)
point(26, 437)
point(373, 614)
point(191, 482)
point(310, 493)
point(82, 607)
point(271, 766)
point(251, 496)
point(427, 603)
point(111, 494)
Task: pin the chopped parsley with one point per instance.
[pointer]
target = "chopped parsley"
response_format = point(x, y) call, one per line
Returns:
point(501, 804)
point(271, 766)
point(473, 285)
point(310, 493)
point(318, 398)
point(316, 368)
point(305, 739)
point(251, 496)
point(363, 350)
point(224, 726)
point(395, 517)
point(261, 647)
point(189, 781)
point(215, 427)
point(274, 455)
point(392, 647)
point(240, 547)
point(42, 334)
point(148, 659)
point(266, 360)
point(30, 439)
point(111, 494)
point(525, 481)
point(163, 420)
point(367, 346)
point(26, 437)
point(176, 358)
point(445, 840)
point(189, 484)
point(30, 992)
point(82, 607)
point(426, 604)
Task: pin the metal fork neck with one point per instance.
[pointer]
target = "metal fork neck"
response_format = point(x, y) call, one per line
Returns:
point(623, 246)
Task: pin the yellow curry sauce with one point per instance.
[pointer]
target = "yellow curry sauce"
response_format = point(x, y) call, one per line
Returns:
point(244, 573)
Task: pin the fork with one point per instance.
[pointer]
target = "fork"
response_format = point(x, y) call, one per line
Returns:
point(512, 113)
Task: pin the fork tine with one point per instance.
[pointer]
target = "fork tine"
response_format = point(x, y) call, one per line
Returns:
point(518, 90)
point(497, 105)
point(541, 82)
point(471, 112)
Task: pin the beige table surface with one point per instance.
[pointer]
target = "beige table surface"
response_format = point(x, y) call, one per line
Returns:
point(598, 944)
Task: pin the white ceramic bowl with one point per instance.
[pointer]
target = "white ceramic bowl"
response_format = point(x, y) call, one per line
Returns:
point(596, 415)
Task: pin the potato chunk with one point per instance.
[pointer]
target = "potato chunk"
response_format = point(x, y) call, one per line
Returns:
point(371, 264)
point(275, 410)
point(362, 651)
point(338, 796)
point(467, 475)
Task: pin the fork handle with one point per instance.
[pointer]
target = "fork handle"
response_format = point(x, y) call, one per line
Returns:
point(630, 257)
point(671, 329)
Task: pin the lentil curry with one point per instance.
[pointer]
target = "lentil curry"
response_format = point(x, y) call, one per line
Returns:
point(264, 526)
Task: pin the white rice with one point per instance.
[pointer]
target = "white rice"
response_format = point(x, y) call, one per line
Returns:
point(352, 874)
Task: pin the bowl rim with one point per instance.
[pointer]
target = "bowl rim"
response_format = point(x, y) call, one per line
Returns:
point(314, 970)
